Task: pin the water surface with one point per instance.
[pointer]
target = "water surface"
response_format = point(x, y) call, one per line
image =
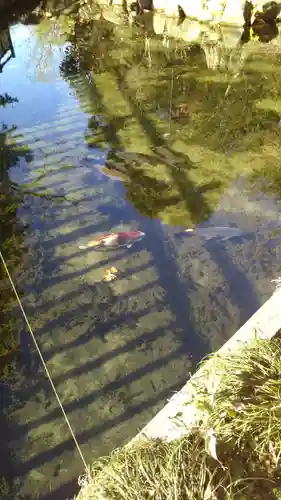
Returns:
point(112, 134)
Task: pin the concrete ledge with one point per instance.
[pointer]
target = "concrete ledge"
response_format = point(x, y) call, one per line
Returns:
point(264, 324)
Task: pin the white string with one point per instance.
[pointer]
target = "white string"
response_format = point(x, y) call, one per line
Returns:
point(44, 364)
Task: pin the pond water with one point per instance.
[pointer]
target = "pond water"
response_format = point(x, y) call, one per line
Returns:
point(114, 130)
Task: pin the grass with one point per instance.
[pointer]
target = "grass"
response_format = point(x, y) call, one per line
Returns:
point(240, 461)
point(158, 470)
point(246, 407)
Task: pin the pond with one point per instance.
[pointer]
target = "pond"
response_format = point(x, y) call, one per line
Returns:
point(109, 127)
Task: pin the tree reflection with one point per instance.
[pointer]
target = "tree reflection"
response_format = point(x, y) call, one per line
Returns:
point(6, 99)
point(50, 36)
point(267, 177)
point(150, 196)
point(201, 117)
point(12, 231)
point(11, 235)
point(157, 186)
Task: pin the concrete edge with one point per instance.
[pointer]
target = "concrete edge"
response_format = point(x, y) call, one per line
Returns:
point(264, 324)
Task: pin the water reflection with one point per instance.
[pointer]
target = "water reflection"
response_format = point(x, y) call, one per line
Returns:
point(132, 131)
point(6, 48)
point(11, 326)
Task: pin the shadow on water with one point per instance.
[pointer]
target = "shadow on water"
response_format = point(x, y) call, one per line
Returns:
point(67, 491)
point(107, 312)
point(139, 342)
point(117, 350)
point(83, 437)
point(68, 297)
point(241, 289)
point(176, 291)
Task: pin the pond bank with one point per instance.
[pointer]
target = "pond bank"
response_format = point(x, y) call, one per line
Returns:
point(264, 324)
point(183, 435)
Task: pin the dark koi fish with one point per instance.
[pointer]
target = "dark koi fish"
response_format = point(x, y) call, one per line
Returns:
point(212, 232)
point(111, 240)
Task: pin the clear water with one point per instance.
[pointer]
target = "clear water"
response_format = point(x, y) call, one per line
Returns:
point(195, 147)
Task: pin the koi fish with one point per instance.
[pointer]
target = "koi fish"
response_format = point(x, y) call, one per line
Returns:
point(212, 232)
point(111, 240)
